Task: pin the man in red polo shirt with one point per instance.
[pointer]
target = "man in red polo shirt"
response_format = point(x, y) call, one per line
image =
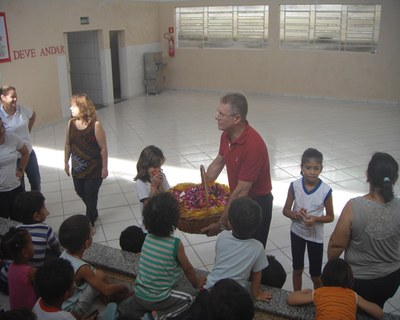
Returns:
point(245, 155)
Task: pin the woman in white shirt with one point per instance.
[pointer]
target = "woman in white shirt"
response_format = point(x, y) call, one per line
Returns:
point(20, 120)
point(10, 175)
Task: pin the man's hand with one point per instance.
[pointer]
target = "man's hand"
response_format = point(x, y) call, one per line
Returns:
point(211, 230)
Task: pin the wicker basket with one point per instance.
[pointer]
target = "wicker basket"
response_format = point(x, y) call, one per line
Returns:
point(195, 225)
point(205, 207)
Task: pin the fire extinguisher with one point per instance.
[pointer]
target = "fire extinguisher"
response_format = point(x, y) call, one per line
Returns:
point(171, 44)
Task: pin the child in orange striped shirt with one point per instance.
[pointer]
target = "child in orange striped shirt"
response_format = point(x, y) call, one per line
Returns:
point(335, 299)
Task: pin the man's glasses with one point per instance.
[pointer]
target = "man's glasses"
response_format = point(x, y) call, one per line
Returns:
point(223, 115)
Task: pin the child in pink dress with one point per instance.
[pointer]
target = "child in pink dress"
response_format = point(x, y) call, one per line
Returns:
point(17, 245)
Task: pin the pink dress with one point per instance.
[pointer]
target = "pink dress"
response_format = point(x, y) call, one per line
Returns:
point(22, 293)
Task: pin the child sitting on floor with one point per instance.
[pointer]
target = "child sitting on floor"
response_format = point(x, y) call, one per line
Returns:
point(237, 255)
point(335, 299)
point(17, 246)
point(226, 300)
point(162, 259)
point(131, 239)
point(54, 283)
point(76, 236)
point(30, 208)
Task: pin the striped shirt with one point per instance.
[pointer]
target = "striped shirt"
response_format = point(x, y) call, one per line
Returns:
point(333, 303)
point(159, 269)
point(43, 237)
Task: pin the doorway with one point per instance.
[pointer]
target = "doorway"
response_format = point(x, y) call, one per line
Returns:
point(116, 78)
point(84, 62)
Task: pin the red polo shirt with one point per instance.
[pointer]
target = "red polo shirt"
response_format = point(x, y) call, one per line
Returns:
point(246, 159)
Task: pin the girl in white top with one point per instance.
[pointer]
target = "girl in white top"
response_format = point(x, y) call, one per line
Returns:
point(307, 199)
point(150, 180)
point(20, 120)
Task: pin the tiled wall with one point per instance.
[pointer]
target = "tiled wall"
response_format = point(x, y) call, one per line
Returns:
point(132, 68)
point(84, 58)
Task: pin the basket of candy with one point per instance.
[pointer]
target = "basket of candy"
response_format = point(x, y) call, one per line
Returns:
point(200, 204)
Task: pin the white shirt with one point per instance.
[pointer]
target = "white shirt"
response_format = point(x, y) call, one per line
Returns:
point(236, 259)
point(18, 123)
point(8, 162)
point(314, 202)
point(143, 189)
point(51, 313)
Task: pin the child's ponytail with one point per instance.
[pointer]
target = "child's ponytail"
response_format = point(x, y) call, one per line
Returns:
point(13, 242)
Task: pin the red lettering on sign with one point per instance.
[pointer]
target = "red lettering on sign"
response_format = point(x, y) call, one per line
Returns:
point(24, 53)
point(16, 55)
point(31, 53)
point(52, 50)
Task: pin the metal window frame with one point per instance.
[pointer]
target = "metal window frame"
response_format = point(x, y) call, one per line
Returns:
point(336, 27)
point(233, 26)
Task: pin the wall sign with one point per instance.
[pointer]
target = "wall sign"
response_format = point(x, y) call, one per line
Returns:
point(4, 46)
point(33, 53)
point(84, 20)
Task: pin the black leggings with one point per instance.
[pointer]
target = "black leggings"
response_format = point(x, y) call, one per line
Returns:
point(315, 252)
point(378, 290)
point(88, 190)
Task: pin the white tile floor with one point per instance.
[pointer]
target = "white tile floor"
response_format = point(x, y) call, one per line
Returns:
point(182, 124)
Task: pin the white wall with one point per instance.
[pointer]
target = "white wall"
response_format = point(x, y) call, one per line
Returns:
point(132, 68)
